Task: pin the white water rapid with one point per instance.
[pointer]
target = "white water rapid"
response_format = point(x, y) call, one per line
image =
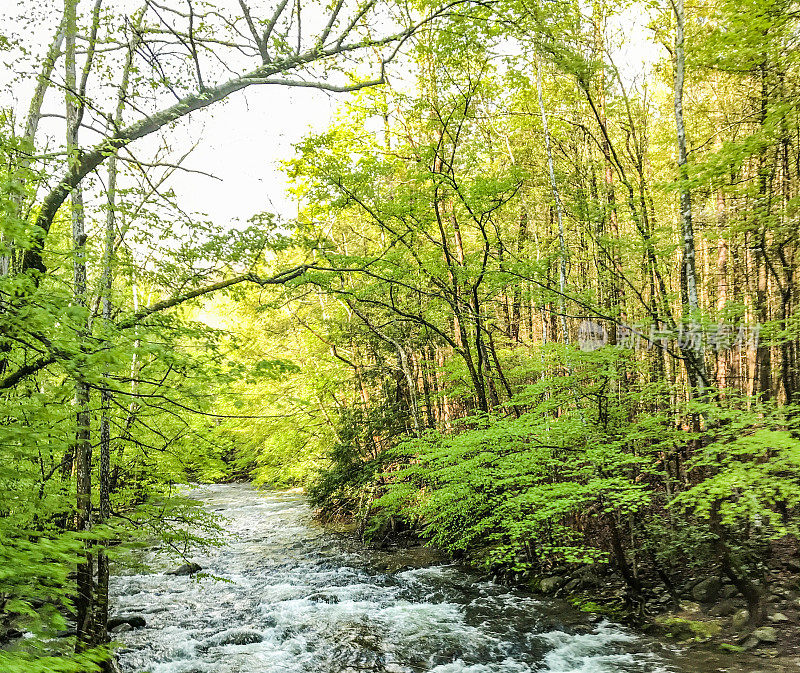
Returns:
point(296, 599)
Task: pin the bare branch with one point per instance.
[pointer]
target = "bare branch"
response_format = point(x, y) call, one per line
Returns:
point(89, 160)
point(271, 27)
point(262, 47)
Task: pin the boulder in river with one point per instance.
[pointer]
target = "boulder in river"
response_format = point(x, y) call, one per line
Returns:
point(234, 637)
point(134, 621)
point(322, 597)
point(549, 585)
point(186, 569)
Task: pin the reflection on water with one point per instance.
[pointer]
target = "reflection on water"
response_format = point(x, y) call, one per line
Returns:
point(299, 600)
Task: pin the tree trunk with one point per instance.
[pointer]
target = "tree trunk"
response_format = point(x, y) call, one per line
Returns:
point(83, 445)
point(562, 267)
point(695, 361)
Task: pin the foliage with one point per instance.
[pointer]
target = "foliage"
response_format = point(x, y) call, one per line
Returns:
point(421, 359)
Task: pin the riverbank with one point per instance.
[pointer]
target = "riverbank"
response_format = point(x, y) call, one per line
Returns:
point(706, 620)
point(706, 614)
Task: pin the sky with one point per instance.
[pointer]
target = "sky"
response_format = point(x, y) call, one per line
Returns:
point(242, 140)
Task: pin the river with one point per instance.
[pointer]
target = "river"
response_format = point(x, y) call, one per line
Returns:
point(293, 598)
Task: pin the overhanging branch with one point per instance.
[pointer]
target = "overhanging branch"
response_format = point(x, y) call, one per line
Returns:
point(47, 360)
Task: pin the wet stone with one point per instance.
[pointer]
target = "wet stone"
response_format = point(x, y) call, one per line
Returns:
point(133, 621)
point(323, 598)
point(185, 569)
point(550, 585)
point(234, 637)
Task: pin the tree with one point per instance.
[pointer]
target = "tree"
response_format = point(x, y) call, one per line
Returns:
point(80, 326)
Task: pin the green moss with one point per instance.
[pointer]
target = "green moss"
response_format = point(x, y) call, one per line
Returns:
point(688, 629)
point(730, 647)
point(590, 606)
point(584, 604)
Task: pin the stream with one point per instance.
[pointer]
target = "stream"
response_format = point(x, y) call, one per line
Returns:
point(290, 597)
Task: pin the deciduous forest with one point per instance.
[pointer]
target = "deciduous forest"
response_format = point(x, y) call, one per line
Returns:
point(536, 304)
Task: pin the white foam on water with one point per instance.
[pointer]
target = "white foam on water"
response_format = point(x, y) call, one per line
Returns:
point(296, 600)
point(589, 652)
point(505, 666)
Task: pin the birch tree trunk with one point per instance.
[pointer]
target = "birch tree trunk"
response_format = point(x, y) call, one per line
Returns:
point(83, 447)
point(696, 360)
point(105, 401)
point(562, 267)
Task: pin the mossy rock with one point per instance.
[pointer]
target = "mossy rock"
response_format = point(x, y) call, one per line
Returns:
point(730, 647)
point(611, 610)
point(688, 629)
point(549, 585)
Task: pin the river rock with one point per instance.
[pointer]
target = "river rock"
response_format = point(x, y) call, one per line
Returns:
point(778, 618)
point(740, 619)
point(121, 628)
point(321, 597)
point(766, 634)
point(549, 585)
point(749, 643)
point(111, 666)
point(689, 606)
point(728, 591)
point(10, 634)
point(155, 609)
point(133, 621)
point(185, 569)
point(725, 608)
point(706, 590)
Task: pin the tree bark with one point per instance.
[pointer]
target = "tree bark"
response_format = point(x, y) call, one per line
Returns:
point(696, 363)
point(562, 267)
point(83, 445)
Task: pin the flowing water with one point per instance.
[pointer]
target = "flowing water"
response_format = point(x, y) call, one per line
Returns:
point(293, 598)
